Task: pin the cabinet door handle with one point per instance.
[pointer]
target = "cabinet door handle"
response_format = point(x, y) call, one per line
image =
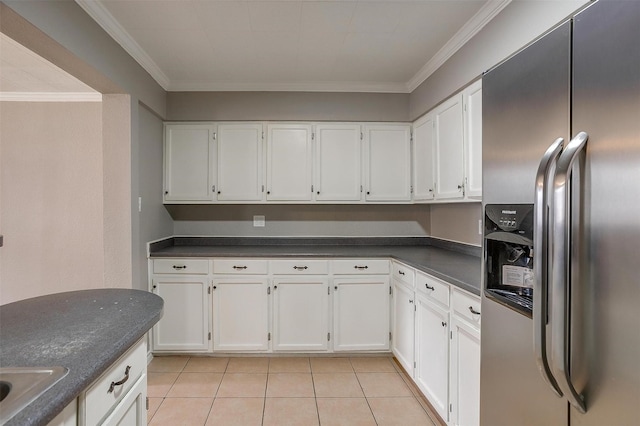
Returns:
point(410, 301)
point(178, 267)
point(361, 267)
point(121, 382)
point(429, 287)
point(400, 272)
point(444, 324)
point(300, 268)
point(239, 267)
point(473, 311)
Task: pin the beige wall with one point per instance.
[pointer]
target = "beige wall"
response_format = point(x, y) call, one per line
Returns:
point(457, 222)
point(51, 168)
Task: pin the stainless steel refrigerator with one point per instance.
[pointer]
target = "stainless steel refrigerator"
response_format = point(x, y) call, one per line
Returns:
point(561, 196)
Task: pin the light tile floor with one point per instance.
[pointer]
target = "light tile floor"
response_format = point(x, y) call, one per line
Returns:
point(300, 391)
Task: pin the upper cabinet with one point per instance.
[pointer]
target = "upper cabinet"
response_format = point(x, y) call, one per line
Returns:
point(387, 162)
point(240, 176)
point(189, 163)
point(289, 172)
point(472, 98)
point(423, 158)
point(338, 162)
point(449, 149)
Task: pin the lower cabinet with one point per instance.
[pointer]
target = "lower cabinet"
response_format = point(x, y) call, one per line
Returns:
point(132, 410)
point(361, 313)
point(68, 416)
point(403, 325)
point(465, 373)
point(184, 325)
point(432, 354)
point(241, 314)
point(301, 314)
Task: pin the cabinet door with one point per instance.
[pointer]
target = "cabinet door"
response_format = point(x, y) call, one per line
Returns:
point(301, 314)
point(337, 162)
point(240, 314)
point(449, 149)
point(465, 374)
point(473, 139)
point(423, 158)
point(361, 313)
point(289, 162)
point(403, 325)
point(240, 162)
point(132, 409)
point(184, 325)
point(432, 354)
point(388, 162)
point(189, 158)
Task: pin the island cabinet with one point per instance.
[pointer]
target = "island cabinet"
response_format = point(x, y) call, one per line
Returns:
point(184, 286)
point(361, 293)
point(240, 305)
point(300, 305)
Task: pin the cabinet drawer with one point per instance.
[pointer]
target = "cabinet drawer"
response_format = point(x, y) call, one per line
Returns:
point(403, 273)
point(239, 266)
point(433, 288)
point(98, 400)
point(180, 266)
point(466, 306)
point(300, 267)
point(360, 266)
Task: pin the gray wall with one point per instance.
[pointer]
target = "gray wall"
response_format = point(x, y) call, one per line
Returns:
point(303, 106)
point(302, 220)
point(457, 222)
point(517, 25)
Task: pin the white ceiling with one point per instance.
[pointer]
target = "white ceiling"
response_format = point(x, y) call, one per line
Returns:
point(308, 45)
point(24, 75)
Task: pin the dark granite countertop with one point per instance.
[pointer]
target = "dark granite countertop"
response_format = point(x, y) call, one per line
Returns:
point(85, 331)
point(457, 264)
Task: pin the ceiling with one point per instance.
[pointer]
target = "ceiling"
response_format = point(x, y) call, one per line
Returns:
point(328, 45)
point(24, 75)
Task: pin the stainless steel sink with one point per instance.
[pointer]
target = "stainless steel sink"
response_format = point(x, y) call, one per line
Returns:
point(21, 386)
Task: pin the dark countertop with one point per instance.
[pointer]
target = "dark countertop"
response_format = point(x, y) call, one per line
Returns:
point(457, 264)
point(85, 331)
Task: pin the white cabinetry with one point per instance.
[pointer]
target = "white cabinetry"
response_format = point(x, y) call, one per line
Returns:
point(118, 396)
point(387, 162)
point(449, 148)
point(361, 305)
point(300, 306)
point(472, 97)
point(240, 159)
point(338, 159)
point(68, 416)
point(403, 295)
point(424, 158)
point(184, 286)
point(289, 171)
point(189, 162)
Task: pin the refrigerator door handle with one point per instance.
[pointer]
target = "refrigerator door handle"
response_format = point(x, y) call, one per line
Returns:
point(560, 289)
point(544, 182)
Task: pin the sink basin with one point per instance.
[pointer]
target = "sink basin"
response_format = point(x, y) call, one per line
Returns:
point(20, 386)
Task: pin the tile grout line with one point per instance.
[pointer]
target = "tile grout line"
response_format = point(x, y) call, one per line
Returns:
point(364, 394)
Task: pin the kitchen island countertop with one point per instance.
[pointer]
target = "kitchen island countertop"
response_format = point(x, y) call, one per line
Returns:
point(454, 263)
point(85, 331)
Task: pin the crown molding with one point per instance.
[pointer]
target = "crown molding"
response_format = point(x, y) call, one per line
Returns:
point(486, 13)
point(50, 97)
point(346, 86)
point(105, 19)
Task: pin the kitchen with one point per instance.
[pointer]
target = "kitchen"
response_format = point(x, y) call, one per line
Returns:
point(434, 220)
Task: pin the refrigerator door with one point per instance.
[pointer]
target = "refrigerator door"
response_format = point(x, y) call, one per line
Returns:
point(525, 109)
point(606, 105)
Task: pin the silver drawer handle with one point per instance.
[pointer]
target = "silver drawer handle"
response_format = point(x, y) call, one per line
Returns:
point(179, 267)
point(300, 268)
point(429, 287)
point(361, 267)
point(239, 267)
point(121, 382)
point(473, 311)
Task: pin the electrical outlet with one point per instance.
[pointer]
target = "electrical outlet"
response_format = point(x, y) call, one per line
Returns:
point(258, 221)
point(480, 226)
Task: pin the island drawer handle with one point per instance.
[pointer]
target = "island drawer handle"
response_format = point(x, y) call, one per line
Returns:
point(240, 267)
point(361, 267)
point(121, 382)
point(179, 266)
point(300, 268)
point(473, 311)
